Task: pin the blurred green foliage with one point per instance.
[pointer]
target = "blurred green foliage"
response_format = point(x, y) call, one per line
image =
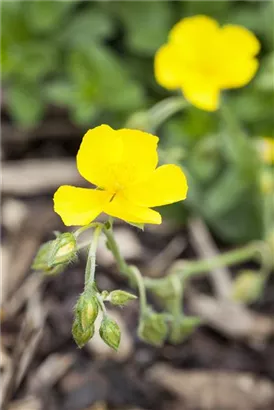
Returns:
point(95, 58)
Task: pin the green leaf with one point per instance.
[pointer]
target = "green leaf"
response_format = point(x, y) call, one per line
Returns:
point(153, 328)
point(60, 92)
point(216, 9)
point(45, 16)
point(264, 80)
point(26, 104)
point(104, 80)
point(87, 27)
point(147, 23)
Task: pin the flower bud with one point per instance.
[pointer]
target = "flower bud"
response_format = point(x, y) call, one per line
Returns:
point(64, 249)
point(41, 259)
point(110, 332)
point(80, 336)
point(120, 297)
point(86, 311)
point(247, 287)
point(184, 328)
point(153, 329)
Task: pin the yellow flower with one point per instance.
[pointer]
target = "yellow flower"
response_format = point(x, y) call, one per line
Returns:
point(266, 149)
point(202, 58)
point(122, 164)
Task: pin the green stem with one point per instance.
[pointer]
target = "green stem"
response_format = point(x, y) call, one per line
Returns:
point(178, 296)
point(233, 125)
point(112, 244)
point(84, 228)
point(192, 268)
point(91, 261)
point(132, 272)
point(101, 303)
point(141, 287)
point(164, 109)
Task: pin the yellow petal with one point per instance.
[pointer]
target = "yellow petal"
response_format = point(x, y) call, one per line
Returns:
point(168, 67)
point(196, 36)
point(100, 151)
point(122, 208)
point(202, 94)
point(79, 206)
point(237, 64)
point(139, 157)
point(111, 159)
point(238, 39)
point(238, 73)
point(166, 185)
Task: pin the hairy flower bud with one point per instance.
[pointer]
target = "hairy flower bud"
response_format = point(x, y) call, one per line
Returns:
point(41, 260)
point(110, 332)
point(153, 328)
point(63, 249)
point(120, 297)
point(86, 310)
point(80, 336)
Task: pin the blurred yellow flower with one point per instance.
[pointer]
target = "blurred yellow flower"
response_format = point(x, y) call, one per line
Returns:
point(266, 149)
point(202, 58)
point(122, 164)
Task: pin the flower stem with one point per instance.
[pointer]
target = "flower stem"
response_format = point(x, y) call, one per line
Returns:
point(132, 272)
point(164, 109)
point(101, 303)
point(91, 261)
point(113, 247)
point(84, 228)
point(141, 287)
point(254, 250)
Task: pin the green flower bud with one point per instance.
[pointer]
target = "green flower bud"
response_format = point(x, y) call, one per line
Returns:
point(40, 262)
point(120, 297)
point(184, 328)
point(110, 332)
point(63, 250)
point(86, 310)
point(81, 337)
point(153, 329)
point(248, 286)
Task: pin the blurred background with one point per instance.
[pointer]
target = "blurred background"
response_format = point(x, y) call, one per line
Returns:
point(71, 65)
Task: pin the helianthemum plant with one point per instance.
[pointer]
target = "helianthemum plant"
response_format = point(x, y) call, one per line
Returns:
point(122, 167)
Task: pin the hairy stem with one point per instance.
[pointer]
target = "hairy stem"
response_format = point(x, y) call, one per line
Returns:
point(91, 261)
